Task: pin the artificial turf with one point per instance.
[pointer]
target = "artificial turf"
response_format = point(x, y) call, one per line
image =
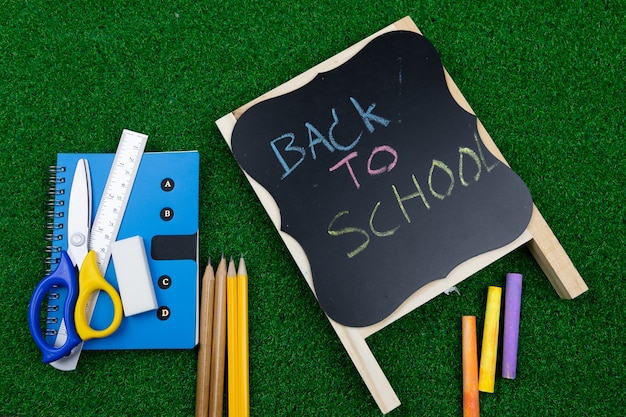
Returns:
point(546, 78)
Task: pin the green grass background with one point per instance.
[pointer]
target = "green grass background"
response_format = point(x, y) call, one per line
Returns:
point(545, 77)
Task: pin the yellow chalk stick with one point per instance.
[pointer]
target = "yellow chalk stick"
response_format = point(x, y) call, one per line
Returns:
point(489, 351)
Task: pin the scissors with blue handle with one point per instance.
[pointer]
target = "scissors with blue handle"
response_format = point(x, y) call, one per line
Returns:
point(78, 272)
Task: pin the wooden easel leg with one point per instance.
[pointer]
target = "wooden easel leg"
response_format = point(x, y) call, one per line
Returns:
point(553, 260)
point(365, 362)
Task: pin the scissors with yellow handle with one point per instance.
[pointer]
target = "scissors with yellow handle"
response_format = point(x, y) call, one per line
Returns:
point(78, 272)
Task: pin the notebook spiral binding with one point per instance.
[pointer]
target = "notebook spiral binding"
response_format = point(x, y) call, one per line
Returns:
point(55, 215)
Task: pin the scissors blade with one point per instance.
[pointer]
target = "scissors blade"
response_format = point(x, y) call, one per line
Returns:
point(78, 226)
point(79, 213)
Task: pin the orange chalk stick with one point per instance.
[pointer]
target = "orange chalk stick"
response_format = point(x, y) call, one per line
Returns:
point(489, 351)
point(471, 406)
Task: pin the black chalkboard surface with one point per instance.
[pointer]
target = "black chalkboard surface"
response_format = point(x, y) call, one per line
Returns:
point(381, 177)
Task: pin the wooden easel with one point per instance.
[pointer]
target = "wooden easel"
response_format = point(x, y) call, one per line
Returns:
point(538, 236)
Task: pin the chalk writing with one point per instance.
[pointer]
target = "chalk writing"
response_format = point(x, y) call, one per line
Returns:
point(368, 117)
point(442, 166)
point(438, 168)
point(385, 168)
point(435, 167)
point(316, 138)
point(289, 148)
point(347, 230)
point(346, 161)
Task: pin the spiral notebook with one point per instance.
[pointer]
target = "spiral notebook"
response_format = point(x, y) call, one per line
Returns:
point(163, 210)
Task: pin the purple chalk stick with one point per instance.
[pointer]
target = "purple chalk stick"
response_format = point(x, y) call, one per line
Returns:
point(512, 303)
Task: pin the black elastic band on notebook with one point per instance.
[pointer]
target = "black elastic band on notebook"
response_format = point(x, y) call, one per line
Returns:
point(171, 247)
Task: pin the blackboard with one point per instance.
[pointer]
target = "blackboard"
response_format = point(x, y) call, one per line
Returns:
point(381, 177)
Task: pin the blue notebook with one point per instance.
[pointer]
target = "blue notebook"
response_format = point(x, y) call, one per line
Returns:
point(163, 210)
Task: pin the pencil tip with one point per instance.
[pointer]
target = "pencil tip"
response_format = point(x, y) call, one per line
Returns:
point(231, 268)
point(242, 267)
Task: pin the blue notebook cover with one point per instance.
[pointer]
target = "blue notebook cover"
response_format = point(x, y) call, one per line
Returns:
point(163, 210)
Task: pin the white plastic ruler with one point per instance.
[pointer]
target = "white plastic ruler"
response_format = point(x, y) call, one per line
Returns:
point(109, 216)
point(115, 197)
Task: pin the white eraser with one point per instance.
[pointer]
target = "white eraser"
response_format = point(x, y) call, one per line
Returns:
point(133, 276)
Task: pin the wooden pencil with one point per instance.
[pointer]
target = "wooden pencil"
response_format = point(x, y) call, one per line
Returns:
point(218, 353)
point(207, 297)
point(242, 305)
point(232, 336)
